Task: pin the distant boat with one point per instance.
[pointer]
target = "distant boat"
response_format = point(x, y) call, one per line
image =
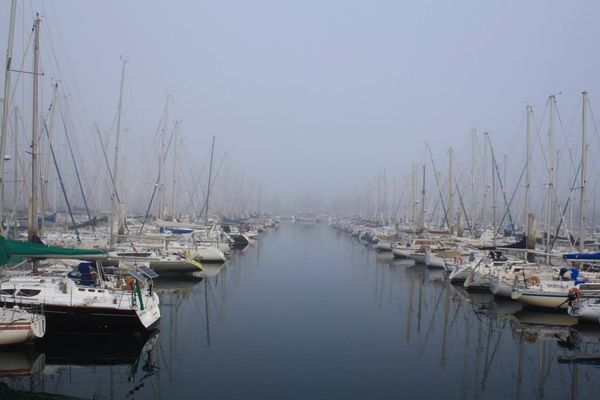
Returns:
point(160, 261)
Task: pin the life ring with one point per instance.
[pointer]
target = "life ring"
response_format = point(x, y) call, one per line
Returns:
point(533, 280)
point(574, 293)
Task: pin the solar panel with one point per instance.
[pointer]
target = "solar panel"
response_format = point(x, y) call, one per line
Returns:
point(150, 273)
point(137, 275)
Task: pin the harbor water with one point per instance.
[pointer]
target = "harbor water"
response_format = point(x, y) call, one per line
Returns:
point(307, 312)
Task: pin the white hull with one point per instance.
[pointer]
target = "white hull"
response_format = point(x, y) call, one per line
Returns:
point(208, 254)
point(553, 294)
point(19, 326)
point(436, 262)
point(553, 300)
point(478, 281)
point(402, 253)
point(500, 288)
point(383, 246)
point(224, 247)
point(151, 312)
point(73, 308)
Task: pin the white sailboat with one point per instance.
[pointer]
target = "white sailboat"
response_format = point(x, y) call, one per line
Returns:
point(88, 302)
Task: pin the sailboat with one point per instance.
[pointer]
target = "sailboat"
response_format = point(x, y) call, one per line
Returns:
point(86, 301)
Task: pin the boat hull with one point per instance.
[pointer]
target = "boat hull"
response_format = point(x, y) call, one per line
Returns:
point(459, 275)
point(546, 300)
point(15, 334)
point(401, 253)
point(239, 241)
point(18, 326)
point(419, 258)
point(160, 266)
point(383, 247)
point(91, 320)
point(499, 288)
point(436, 262)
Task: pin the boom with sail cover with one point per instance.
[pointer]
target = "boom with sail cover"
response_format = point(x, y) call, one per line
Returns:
point(9, 248)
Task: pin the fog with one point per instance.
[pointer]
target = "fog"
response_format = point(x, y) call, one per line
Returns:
point(313, 102)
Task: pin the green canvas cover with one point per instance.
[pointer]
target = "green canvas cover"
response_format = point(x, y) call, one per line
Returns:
point(10, 248)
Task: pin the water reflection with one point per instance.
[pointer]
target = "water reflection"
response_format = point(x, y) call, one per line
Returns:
point(68, 367)
point(488, 347)
point(542, 339)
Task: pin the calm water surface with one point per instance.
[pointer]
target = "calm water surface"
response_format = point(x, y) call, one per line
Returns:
point(309, 313)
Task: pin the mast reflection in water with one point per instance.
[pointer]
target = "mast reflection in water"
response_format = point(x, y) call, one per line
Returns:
point(307, 312)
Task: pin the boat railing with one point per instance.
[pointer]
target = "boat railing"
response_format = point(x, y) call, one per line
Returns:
point(37, 309)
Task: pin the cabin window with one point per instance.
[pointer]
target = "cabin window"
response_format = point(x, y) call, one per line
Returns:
point(7, 292)
point(29, 292)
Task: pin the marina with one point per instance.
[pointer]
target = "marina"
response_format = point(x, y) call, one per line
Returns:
point(263, 200)
point(310, 312)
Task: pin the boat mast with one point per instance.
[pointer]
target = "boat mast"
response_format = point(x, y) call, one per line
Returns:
point(414, 201)
point(450, 194)
point(485, 187)
point(34, 133)
point(550, 164)
point(473, 194)
point(572, 177)
point(212, 150)
point(494, 220)
point(46, 172)
point(161, 166)
point(259, 197)
point(173, 206)
point(527, 174)
point(505, 185)
point(6, 105)
point(115, 205)
point(423, 200)
point(15, 173)
point(582, 219)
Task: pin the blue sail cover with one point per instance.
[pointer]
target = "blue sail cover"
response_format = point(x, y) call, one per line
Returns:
point(582, 256)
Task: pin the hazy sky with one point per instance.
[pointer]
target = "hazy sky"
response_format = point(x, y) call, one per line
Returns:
point(317, 95)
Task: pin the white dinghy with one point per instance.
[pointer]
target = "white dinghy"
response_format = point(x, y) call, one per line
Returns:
point(19, 326)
